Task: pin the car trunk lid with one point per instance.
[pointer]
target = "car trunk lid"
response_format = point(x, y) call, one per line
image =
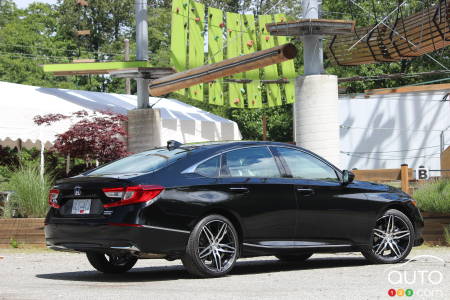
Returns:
point(82, 197)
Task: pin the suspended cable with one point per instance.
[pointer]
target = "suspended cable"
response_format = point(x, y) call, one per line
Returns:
point(385, 128)
point(401, 36)
point(58, 49)
point(393, 151)
point(267, 11)
point(376, 26)
point(400, 158)
point(34, 55)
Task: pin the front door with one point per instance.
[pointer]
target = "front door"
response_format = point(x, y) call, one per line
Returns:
point(328, 211)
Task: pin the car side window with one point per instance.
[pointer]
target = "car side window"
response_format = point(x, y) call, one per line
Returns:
point(209, 168)
point(306, 166)
point(251, 162)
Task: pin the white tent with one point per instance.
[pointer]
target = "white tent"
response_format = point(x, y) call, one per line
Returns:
point(19, 104)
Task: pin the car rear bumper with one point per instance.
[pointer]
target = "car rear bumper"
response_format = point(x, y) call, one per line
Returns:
point(114, 237)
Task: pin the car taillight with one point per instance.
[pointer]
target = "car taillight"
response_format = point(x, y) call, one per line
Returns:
point(53, 198)
point(132, 194)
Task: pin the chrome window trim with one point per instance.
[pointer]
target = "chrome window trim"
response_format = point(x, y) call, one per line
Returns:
point(191, 169)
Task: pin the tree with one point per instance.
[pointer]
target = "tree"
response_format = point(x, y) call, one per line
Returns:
point(97, 136)
point(43, 33)
point(108, 21)
point(28, 39)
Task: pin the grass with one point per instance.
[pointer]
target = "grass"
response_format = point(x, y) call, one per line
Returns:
point(14, 243)
point(30, 191)
point(447, 235)
point(434, 196)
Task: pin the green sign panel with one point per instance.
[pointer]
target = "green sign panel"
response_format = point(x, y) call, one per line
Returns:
point(216, 28)
point(179, 36)
point(229, 35)
point(196, 45)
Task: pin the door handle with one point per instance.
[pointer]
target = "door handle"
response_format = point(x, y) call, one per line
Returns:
point(239, 189)
point(305, 192)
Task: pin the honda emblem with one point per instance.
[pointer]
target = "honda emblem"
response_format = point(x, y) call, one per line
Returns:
point(77, 191)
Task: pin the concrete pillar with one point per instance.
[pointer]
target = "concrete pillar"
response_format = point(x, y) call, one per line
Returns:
point(316, 125)
point(144, 129)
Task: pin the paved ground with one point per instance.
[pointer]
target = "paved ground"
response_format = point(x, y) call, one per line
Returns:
point(52, 275)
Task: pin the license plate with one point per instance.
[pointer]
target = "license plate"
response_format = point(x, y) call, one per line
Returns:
point(81, 207)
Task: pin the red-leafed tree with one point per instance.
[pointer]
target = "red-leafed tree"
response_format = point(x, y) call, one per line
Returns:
point(95, 136)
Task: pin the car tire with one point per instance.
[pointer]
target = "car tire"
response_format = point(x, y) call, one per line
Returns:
point(294, 257)
point(213, 247)
point(393, 233)
point(112, 264)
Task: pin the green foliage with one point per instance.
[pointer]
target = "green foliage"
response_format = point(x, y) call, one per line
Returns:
point(434, 196)
point(30, 190)
point(10, 158)
point(14, 243)
point(44, 33)
point(447, 235)
point(8, 210)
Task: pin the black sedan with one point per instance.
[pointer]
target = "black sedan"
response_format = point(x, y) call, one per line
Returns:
point(209, 204)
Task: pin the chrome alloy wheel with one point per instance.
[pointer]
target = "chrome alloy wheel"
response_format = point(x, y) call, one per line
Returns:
point(217, 246)
point(391, 237)
point(119, 260)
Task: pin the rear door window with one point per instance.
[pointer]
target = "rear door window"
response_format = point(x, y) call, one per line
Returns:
point(251, 162)
point(209, 168)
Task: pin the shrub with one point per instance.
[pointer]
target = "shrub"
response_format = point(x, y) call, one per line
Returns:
point(30, 190)
point(14, 243)
point(434, 196)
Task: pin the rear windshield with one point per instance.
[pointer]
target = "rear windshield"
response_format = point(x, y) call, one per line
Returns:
point(143, 162)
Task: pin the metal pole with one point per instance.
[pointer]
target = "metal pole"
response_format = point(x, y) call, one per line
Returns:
point(312, 44)
point(127, 58)
point(142, 50)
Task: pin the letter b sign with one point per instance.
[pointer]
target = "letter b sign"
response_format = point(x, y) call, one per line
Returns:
point(422, 173)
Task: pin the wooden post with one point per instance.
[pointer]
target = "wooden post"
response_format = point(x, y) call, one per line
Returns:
point(264, 127)
point(405, 178)
point(227, 67)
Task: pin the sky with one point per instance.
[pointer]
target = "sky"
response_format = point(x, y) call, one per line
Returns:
point(25, 3)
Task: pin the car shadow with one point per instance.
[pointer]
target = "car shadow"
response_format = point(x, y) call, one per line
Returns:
point(165, 273)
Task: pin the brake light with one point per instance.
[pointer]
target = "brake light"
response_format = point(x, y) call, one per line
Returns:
point(53, 198)
point(132, 194)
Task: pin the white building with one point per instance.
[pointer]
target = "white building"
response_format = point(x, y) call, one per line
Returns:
point(385, 131)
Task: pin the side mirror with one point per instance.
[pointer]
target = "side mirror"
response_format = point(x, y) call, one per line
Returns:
point(347, 177)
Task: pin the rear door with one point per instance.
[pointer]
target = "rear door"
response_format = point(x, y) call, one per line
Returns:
point(266, 202)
